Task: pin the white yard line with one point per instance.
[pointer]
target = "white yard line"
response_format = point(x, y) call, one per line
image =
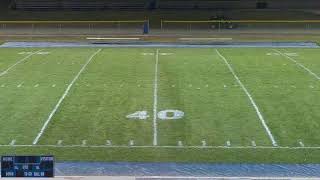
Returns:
point(155, 101)
point(160, 147)
point(297, 63)
point(262, 120)
point(35, 141)
point(18, 62)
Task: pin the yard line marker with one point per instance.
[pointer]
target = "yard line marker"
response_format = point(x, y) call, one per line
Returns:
point(59, 142)
point(261, 118)
point(180, 143)
point(155, 101)
point(12, 142)
point(18, 62)
point(84, 143)
point(35, 141)
point(253, 143)
point(297, 63)
point(301, 144)
point(108, 143)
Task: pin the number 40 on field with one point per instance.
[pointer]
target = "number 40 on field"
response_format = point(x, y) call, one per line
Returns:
point(163, 115)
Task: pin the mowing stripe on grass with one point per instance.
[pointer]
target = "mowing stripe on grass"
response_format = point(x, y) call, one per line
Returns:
point(262, 120)
point(297, 63)
point(18, 62)
point(35, 141)
point(155, 101)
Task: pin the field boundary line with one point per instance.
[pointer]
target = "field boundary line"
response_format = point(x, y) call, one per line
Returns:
point(35, 141)
point(261, 118)
point(155, 101)
point(18, 62)
point(297, 63)
point(221, 177)
point(160, 147)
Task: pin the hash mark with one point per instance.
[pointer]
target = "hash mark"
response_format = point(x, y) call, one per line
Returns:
point(301, 144)
point(253, 143)
point(19, 85)
point(59, 143)
point(228, 144)
point(131, 142)
point(180, 143)
point(108, 143)
point(84, 142)
point(204, 143)
point(12, 142)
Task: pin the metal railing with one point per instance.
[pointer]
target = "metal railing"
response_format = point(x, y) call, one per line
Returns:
point(71, 27)
point(257, 26)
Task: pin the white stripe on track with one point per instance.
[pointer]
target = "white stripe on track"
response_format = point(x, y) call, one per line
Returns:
point(155, 101)
point(297, 63)
point(35, 141)
point(18, 62)
point(261, 118)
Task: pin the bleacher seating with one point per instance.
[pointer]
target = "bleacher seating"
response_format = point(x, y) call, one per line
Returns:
point(77, 4)
point(194, 4)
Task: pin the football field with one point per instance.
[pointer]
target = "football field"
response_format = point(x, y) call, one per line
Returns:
point(165, 104)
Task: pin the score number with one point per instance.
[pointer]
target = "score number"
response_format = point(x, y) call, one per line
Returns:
point(163, 115)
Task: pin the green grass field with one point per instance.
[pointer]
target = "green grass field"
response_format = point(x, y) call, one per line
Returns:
point(146, 104)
